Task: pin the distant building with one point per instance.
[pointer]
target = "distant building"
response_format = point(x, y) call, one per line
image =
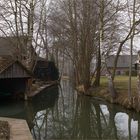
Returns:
point(122, 64)
point(45, 70)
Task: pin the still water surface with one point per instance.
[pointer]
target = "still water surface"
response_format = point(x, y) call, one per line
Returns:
point(59, 114)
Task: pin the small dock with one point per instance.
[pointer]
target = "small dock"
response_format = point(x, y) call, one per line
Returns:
point(42, 87)
point(19, 129)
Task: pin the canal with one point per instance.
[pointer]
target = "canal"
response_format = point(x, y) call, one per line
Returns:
point(59, 114)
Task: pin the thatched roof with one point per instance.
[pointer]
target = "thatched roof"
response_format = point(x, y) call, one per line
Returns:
point(9, 46)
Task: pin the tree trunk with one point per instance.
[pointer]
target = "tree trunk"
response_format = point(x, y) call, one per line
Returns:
point(131, 52)
point(98, 71)
point(30, 52)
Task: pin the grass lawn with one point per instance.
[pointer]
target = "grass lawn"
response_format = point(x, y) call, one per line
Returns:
point(121, 83)
point(121, 86)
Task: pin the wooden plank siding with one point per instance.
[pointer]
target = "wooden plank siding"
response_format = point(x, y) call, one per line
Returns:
point(15, 71)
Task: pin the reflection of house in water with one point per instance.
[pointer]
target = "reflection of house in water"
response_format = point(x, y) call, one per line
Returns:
point(21, 110)
point(45, 99)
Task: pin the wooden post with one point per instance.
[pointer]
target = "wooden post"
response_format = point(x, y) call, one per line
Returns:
point(25, 96)
point(28, 88)
point(26, 92)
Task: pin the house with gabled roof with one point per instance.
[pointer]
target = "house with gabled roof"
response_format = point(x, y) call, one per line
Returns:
point(45, 70)
point(122, 64)
point(14, 71)
point(14, 75)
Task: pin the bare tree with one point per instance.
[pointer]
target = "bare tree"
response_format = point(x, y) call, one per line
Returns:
point(28, 20)
point(77, 27)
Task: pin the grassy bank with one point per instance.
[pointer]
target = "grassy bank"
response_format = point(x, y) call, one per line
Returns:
point(121, 86)
point(121, 83)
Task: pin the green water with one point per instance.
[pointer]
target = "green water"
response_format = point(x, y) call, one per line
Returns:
point(58, 114)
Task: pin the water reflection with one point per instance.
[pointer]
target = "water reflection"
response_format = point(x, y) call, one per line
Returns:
point(74, 117)
point(34, 111)
point(83, 118)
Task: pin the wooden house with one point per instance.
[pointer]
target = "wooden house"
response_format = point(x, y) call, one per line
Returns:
point(46, 70)
point(122, 64)
point(17, 49)
point(13, 73)
point(13, 77)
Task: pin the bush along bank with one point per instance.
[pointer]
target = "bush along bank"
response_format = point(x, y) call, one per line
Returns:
point(122, 99)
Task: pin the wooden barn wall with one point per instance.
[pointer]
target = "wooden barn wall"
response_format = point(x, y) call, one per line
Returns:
point(14, 71)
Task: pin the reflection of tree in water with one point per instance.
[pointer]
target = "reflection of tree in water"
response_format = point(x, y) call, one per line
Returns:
point(71, 117)
point(127, 123)
point(76, 118)
point(84, 120)
point(91, 123)
point(37, 111)
point(40, 128)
